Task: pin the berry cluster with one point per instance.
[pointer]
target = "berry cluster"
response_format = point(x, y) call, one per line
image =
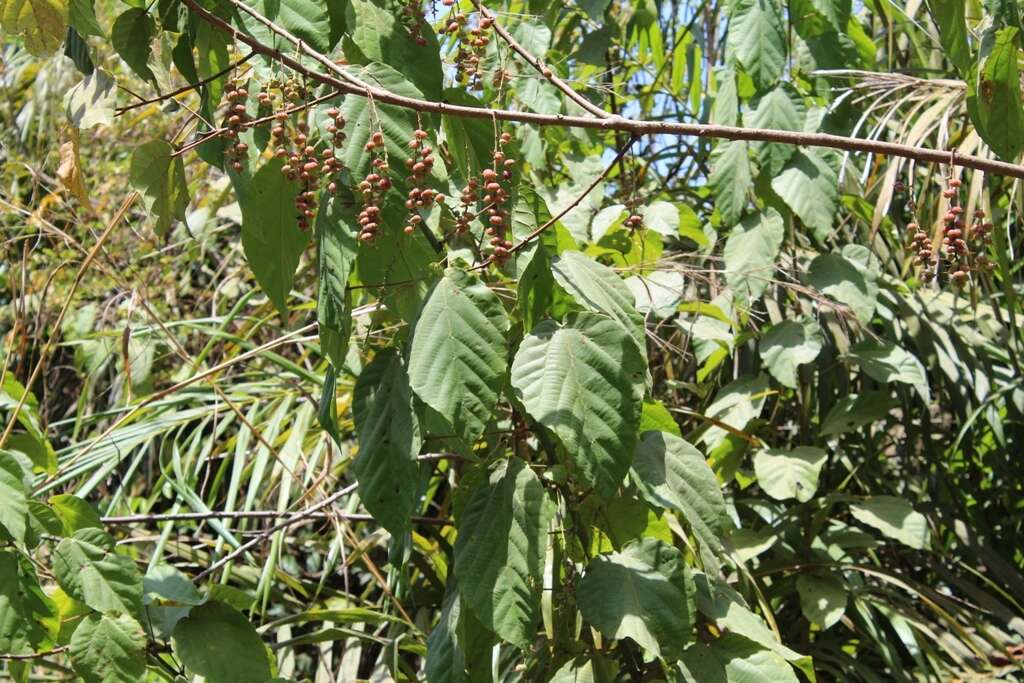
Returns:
point(473, 41)
point(467, 203)
point(411, 16)
point(634, 222)
point(420, 196)
point(920, 243)
point(236, 121)
point(495, 199)
point(953, 242)
point(372, 188)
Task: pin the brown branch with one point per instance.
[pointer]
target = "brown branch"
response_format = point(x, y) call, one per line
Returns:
point(348, 83)
point(34, 655)
point(540, 66)
point(249, 514)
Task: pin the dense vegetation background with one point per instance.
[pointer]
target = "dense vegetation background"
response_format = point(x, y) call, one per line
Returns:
point(605, 401)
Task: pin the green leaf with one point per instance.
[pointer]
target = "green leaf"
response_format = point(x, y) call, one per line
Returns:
point(164, 583)
point(735, 404)
point(671, 473)
point(726, 105)
point(584, 381)
point(271, 236)
point(131, 35)
point(159, 176)
point(789, 474)
point(886, 362)
point(109, 648)
point(217, 642)
point(656, 417)
point(75, 513)
point(82, 16)
point(307, 20)
point(750, 253)
point(822, 598)
point(809, 184)
point(598, 288)
point(895, 518)
point(646, 593)
point(787, 345)
point(457, 356)
point(782, 109)
point(757, 38)
point(734, 659)
point(857, 410)
point(13, 498)
point(382, 38)
point(500, 548)
point(336, 254)
point(445, 662)
point(91, 101)
point(994, 100)
point(952, 29)
point(389, 440)
point(41, 23)
point(28, 618)
point(661, 217)
point(730, 179)
point(89, 570)
point(579, 670)
point(839, 279)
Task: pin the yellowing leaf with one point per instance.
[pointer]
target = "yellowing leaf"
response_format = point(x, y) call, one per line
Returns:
point(41, 23)
point(70, 170)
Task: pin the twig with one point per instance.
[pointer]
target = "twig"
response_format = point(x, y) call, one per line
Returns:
point(34, 655)
point(540, 66)
point(250, 514)
point(347, 83)
point(186, 88)
point(297, 517)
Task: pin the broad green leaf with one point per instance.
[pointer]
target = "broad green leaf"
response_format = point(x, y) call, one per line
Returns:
point(39, 452)
point(895, 518)
point(886, 362)
point(857, 410)
point(786, 346)
point(41, 23)
point(363, 118)
point(750, 253)
point(445, 662)
point(725, 108)
point(730, 179)
point(671, 473)
point(82, 16)
point(75, 513)
point(130, 36)
point(656, 417)
point(271, 236)
point(952, 29)
point(839, 279)
point(580, 670)
point(159, 176)
point(28, 618)
point(217, 642)
point(822, 598)
point(735, 404)
point(789, 474)
point(598, 288)
point(307, 20)
point(581, 172)
point(661, 217)
point(389, 440)
point(606, 220)
point(382, 38)
point(109, 648)
point(457, 356)
point(719, 602)
point(659, 293)
point(757, 38)
point(89, 570)
point(994, 99)
point(164, 583)
point(336, 254)
point(733, 659)
point(13, 498)
point(809, 184)
point(584, 381)
point(781, 109)
point(500, 548)
point(645, 593)
point(91, 101)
